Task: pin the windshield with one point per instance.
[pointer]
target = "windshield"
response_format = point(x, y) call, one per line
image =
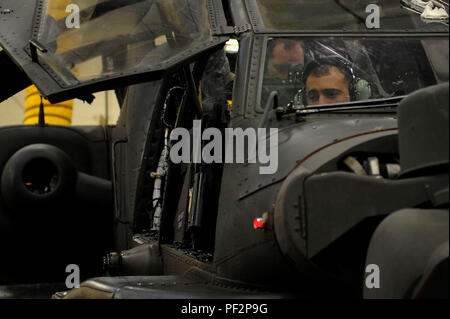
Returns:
point(116, 37)
point(332, 70)
point(345, 15)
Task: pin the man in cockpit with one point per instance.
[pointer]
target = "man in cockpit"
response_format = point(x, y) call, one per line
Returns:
point(327, 83)
point(285, 61)
point(285, 55)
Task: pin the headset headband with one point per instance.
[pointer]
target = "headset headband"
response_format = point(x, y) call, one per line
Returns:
point(341, 65)
point(338, 63)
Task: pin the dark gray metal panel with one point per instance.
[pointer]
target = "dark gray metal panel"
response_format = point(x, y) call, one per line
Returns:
point(240, 248)
point(290, 220)
point(16, 44)
point(336, 202)
point(241, 252)
point(130, 139)
point(242, 78)
point(402, 247)
point(235, 237)
point(256, 74)
point(255, 16)
point(300, 140)
point(424, 130)
point(217, 17)
point(16, 29)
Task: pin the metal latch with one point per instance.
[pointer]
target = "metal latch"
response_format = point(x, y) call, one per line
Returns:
point(34, 46)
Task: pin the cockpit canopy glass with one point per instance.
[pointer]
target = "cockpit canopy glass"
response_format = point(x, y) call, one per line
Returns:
point(115, 37)
point(303, 69)
point(345, 15)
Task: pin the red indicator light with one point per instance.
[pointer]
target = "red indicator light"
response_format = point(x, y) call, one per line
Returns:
point(258, 223)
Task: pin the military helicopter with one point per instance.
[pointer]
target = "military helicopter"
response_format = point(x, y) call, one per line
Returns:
point(356, 207)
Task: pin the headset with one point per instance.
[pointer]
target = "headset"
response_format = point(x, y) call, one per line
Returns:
point(359, 89)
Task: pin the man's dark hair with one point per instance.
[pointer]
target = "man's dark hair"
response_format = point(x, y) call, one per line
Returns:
point(320, 70)
point(321, 67)
point(288, 44)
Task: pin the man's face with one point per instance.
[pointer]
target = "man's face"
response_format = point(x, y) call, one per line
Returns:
point(327, 89)
point(286, 54)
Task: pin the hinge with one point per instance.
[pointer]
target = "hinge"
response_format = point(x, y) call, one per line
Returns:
point(236, 30)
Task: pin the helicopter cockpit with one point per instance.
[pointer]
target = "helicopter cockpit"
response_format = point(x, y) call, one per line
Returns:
point(224, 224)
point(381, 67)
point(109, 38)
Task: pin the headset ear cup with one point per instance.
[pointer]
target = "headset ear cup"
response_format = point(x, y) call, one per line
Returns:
point(362, 89)
point(359, 89)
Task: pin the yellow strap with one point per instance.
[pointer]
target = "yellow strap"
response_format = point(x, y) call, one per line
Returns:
point(55, 114)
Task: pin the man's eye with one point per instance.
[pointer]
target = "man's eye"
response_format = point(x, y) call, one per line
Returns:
point(331, 94)
point(313, 95)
